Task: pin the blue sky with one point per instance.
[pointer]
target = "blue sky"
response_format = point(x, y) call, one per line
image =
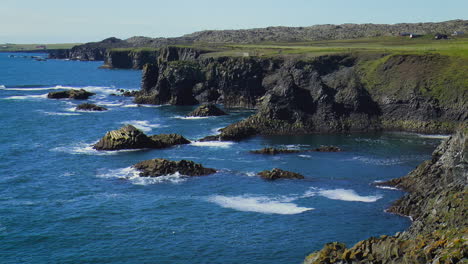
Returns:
point(61, 21)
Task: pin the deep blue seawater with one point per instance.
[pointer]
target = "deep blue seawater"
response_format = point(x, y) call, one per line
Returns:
point(62, 202)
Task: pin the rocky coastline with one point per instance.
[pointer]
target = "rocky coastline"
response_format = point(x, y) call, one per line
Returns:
point(436, 202)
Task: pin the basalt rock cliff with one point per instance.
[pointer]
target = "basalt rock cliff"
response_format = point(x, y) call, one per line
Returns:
point(332, 93)
point(437, 202)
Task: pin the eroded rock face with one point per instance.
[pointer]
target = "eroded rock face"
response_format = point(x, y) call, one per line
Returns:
point(437, 203)
point(90, 107)
point(129, 137)
point(274, 151)
point(276, 173)
point(207, 110)
point(159, 167)
point(70, 94)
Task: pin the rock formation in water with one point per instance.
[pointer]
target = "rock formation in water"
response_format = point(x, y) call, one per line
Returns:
point(274, 151)
point(160, 167)
point(70, 94)
point(327, 149)
point(90, 107)
point(129, 137)
point(276, 174)
point(437, 202)
point(207, 110)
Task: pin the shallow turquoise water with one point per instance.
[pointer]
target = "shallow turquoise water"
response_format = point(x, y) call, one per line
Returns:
point(62, 202)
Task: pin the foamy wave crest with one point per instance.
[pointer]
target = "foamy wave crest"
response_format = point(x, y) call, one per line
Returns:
point(87, 149)
point(191, 117)
point(387, 187)
point(347, 195)
point(305, 156)
point(2, 86)
point(434, 136)
point(264, 205)
point(143, 125)
point(376, 161)
point(216, 131)
point(60, 114)
point(133, 176)
point(213, 144)
point(32, 88)
point(27, 97)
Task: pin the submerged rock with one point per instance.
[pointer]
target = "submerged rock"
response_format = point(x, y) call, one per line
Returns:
point(90, 107)
point(327, 149)
point(71, 94)
point(274, 151)
point(207, 110)
point(276, 173)
point(159, 167)
point(129, 137)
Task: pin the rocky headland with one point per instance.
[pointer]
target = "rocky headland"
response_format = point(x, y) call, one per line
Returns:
point(437, 203)
point(160, 167)
point(129, 137)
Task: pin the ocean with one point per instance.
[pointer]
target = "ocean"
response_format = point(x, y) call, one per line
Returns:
point(63, 202)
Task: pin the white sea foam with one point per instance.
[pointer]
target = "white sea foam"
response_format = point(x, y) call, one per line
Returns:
point(387, 187)
point(191, 117)
point(143, 125)
point(213, 144)
point(2, 86)
point(377, 161)
point(305, 156)
point(347, 195)
point(27, 97)
point(133, 176)
point(60, 114)
point(87, 149)
point(433, 136)
point(259, 204)
point(217, 131)
point(251, 174)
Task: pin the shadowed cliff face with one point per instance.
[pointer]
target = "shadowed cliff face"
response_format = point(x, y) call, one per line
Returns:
point(335, 93)
point(437, 202)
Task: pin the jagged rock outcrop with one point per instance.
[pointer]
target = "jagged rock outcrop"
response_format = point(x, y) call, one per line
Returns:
point(207, 110)
point(70, 94)
point(129, 137)
point(274, 151)
point(160, 167)
point(437, 203)
point(90, 107)
point(276, 174)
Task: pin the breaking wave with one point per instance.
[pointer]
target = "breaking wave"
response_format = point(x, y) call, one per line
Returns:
point(143, 125)
point(344, 195)
point(133, 175)
point(213, 144)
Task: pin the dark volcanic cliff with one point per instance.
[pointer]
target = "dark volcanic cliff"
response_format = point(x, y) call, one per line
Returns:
point(333, 93)
point(437, 202)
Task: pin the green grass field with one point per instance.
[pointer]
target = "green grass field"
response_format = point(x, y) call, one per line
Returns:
point(34, 47)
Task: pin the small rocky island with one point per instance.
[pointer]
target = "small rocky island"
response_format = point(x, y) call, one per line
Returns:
point(274, 151)
point(90, 107)
point(81, 94)
point(207, 110)
point(129, 137)
point(160, 167)
point(276, 174)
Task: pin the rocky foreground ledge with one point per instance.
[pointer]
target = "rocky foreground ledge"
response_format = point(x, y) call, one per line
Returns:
point(129, 137)
point(438, 204)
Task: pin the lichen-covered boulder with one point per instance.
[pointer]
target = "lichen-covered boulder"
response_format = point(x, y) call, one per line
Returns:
point(207, 110)
point(90, 107)
point(274, 151)
point(70, 94)
point(276, 173)
point(159, 167)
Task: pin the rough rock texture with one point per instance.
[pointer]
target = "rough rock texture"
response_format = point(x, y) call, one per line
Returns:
point(437, 202)
point(207, 110)
point(276, 173)
point(274, 151)
point(90, 107)
point(129, 137)
point(70, 94)
point(159, 167)
point(328, 149)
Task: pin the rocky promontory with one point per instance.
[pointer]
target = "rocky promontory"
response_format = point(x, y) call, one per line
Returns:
point(70, 94)
point(437, 203)
point(129, 137)
point(207, 110)
point(276, 174)
point(160, 167)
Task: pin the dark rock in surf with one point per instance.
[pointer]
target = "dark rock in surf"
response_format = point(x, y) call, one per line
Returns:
point(159, 167)
point(276, 173)
point(70, 94)
point(327, 149)
point(90, 107)
point(207, 110)
point(274, 151)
